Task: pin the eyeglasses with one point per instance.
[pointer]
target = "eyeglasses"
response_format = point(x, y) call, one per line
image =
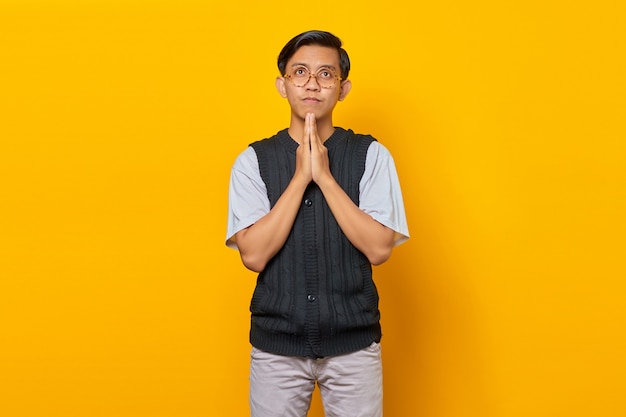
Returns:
point(325, 77)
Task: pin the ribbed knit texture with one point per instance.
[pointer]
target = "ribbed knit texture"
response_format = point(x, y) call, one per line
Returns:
point(316, 297)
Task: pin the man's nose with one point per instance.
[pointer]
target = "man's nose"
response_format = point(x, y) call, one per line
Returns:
point(312, 83)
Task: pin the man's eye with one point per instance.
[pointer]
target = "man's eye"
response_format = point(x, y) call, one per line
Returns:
point(325, 74)
point(300, 72)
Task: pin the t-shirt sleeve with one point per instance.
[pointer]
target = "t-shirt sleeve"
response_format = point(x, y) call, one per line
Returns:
point(247, 195)
point(380, 193)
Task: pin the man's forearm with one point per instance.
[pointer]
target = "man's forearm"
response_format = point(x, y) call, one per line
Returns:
point(365, 233)
point(259, 242)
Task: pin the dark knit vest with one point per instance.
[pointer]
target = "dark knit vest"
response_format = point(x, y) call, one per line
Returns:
point(316, 296)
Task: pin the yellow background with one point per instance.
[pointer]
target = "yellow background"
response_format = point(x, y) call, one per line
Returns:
point(119, 121)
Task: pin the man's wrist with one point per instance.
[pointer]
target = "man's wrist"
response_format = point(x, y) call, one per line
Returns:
point(326, 181)
point(300, 181)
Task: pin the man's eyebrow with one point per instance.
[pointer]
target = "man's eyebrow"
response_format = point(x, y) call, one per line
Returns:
point(302, 64)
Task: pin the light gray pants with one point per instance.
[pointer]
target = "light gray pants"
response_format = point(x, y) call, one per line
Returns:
point(350, 385)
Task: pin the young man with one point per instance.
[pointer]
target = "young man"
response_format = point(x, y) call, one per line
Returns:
point(311, 209)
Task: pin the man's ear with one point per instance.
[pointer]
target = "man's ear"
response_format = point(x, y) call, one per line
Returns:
point(345, 88)
point(280, 86)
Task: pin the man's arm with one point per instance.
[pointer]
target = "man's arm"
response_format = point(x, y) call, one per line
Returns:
point(366, 234)
point(375, 240)
point(259, 242)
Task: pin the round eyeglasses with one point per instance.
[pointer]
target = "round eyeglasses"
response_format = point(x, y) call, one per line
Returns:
point(325, 77)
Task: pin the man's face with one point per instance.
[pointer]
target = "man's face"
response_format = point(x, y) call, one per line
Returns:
point(312, 97)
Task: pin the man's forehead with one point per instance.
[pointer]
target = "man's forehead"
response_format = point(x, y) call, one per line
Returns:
point(315, 55)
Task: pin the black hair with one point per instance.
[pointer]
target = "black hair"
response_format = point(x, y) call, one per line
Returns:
point(314, 37)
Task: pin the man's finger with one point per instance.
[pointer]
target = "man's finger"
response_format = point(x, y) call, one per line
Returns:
point(308, 129)
point(312, 129)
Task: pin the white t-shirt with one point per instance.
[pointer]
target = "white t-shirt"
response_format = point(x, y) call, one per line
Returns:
point(379, 193)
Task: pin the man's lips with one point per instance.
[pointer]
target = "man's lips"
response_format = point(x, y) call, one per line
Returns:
point(311, 99)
